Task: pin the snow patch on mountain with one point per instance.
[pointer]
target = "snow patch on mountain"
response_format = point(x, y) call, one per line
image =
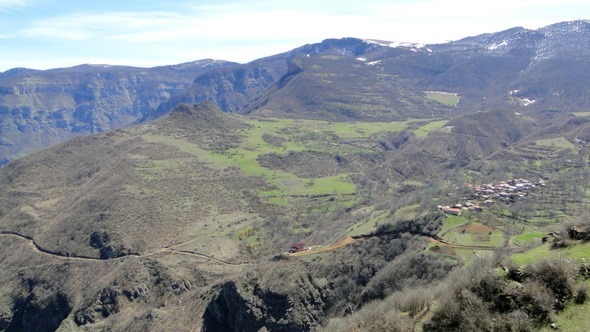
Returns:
point(497, 45)
point(395, 44)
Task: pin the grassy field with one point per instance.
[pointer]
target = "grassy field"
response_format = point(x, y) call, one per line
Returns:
point(426, 129)
point(578, 252)
point(369, 224)
point(475, 234)
point(445, 98)
point(559, 142)
point(573, 318)
point(529, 237)
point(452, 222)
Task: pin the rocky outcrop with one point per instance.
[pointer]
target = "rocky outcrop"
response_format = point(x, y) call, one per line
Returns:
point(105, 303)
point(36, 312)
point(294, 305)
point(108, 248)
point(38, 108)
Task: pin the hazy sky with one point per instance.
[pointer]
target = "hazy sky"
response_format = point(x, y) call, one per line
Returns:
point(45, 34)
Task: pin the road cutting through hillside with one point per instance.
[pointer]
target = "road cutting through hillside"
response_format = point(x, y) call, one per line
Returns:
point(350, 240)
point(460, 246)
point(71, 256)
point(342, 243)
point(36, 247)
point(317, 250)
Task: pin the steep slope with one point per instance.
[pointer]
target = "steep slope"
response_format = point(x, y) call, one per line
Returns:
point(336, 79)
point(513, 69)
point(102, 189)
point(342, 88)
point(38, 108)
point(231, 89)
point(129, 230)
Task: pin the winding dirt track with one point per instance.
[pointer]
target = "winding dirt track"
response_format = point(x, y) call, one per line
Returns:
point(342, 243)
point(350, 240)
point(459, 246)
point(170, 249)
point(37, 248)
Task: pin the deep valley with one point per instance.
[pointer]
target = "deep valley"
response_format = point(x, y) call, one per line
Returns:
point(342, 186)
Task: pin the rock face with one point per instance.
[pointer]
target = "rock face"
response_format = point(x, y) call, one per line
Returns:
point(243, 307)
point(38, 108)
point(37, 306)
point(30, 314)
point(108, 248)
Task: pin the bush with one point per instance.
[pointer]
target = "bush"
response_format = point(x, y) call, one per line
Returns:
point(378, 316)
point(537, 301)
point(581, 295)
point(461, 310)
point(558, 275)
point(413, 300)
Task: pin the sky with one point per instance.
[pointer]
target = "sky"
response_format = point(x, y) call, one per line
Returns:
point(43, 34)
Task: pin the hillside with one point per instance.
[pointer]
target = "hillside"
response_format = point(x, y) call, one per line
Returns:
point(40, 108)
point(342, 186)
point(517, 68)
point(336, 79)
point(195, 211)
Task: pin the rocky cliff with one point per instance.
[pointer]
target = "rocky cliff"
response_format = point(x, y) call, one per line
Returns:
point(38, 108)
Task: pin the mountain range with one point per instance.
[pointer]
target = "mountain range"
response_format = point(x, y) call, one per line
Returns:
point(305, 191)
point(343, 79)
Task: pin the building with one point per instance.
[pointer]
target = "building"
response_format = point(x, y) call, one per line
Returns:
point(296, 247)
point(453, 211)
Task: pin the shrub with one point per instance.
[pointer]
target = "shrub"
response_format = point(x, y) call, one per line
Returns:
point(378, 316)
point(461, 310)
point(581, 295)
point(413, 300)
point(558, 276)
point(518, 321)
point(537, 302)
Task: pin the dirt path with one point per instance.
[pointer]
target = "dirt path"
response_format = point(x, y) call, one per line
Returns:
point(349, 240)
point(459, 246)
point(211, 258)
point(39, 249)
point(342, 243)
point(171, 249)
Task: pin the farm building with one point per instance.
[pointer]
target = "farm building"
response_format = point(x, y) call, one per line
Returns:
point(296, 247)
point(453, 211)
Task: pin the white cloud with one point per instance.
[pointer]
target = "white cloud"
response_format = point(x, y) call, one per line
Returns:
point(8, 4)
point(83, 26)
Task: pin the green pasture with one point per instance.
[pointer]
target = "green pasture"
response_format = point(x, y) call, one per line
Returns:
point(494, 238)
point(529, 237)
point(559, 142)
point(451, 222)
point(577, 252)
point(426, 129)
point(574, 317)
point(445, 98)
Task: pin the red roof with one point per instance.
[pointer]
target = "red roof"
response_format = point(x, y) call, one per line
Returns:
point(298, 245)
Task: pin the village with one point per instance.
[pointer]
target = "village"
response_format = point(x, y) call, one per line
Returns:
point(487, 194)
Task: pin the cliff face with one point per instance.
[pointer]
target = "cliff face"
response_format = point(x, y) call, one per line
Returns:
point(242, 307)
point(38, 108)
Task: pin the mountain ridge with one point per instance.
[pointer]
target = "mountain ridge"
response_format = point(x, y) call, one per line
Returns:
point(515, 68)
